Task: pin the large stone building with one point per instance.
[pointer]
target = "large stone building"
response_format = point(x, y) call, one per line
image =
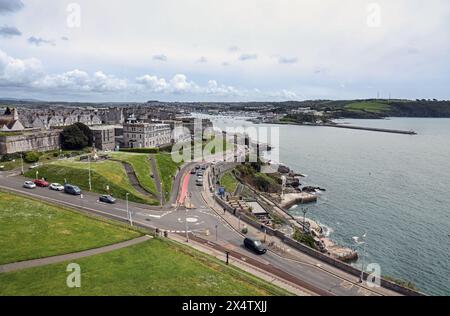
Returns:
point(9, 121)
point(30, 141)
point(146, 135)
point(104, 137)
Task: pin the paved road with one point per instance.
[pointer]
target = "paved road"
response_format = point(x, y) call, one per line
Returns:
point(200, 220)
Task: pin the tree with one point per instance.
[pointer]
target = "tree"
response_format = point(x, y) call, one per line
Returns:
point(73, 138)
point(86, 131)
point(31, 157)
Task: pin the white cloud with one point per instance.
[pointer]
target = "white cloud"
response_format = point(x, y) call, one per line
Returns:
point(19, 72)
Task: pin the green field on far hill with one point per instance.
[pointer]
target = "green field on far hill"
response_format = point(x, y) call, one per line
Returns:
point(30, 229)
point(368, 106)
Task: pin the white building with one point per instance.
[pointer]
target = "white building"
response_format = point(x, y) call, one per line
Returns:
point(146, 135)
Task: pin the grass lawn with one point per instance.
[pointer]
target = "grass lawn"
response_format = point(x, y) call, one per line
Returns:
point(153, 268)
point(30, 229)
point(167, 170)
point(104, 173)
point(10, 165)
point(142, 168)
point(229, 182)
point(369, 106)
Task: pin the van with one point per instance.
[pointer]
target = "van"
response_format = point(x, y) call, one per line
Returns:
point(72, 189)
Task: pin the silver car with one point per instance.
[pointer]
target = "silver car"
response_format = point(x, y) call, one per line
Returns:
point(29, 185)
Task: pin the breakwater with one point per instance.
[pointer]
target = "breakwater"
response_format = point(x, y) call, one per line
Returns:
point(372, 129)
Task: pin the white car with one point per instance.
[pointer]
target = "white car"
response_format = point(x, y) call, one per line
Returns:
point(29, 185)
point(56, 187)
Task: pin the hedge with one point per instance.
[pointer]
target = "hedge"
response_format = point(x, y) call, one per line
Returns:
point(141, 150)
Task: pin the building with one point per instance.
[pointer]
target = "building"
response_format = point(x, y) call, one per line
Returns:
point(146, 135)
point(104, 137)
point(30, 141)
point(9, 121)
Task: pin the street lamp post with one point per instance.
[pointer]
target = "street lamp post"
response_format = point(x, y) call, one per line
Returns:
point(304, 210)
point(21, 159)
point(186, 226)
point(217, 227)
point(364, 245)
point(90, 179)
point(128, 211)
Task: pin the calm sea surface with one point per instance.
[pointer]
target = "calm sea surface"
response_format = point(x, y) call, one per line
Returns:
point(395, 188)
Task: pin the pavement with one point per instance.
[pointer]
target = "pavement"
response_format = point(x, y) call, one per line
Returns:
point(207, 221)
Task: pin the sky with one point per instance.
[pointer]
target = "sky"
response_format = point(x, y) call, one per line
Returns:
point(224, 50)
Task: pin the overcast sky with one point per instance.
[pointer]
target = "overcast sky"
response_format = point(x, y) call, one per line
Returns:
point(224, 50)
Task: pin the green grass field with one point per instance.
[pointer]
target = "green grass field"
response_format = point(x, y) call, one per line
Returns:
point(229, 182)
point(369, 106)
point(30, 229)
point(104, 173)
point(154, 268)
point(167, 170)
point(142, 168)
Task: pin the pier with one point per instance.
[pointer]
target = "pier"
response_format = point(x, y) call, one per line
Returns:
point(372, 129)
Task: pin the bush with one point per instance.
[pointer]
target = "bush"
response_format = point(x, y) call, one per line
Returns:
point(141, 150)
point(304, 238)
point(31, 157)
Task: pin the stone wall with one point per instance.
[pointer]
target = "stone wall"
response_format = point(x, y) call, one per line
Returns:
point(30, 141)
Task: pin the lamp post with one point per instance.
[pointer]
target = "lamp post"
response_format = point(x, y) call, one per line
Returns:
point(217, 227)
point(90, 179)
point(364, 245)
point(128, 211)
point(21, 159)
point(186, 225)
point(304, 210)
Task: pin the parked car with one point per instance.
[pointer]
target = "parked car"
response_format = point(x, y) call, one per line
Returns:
point(29, 185)
point(72, 189)
point(200, 174)
point(34, 166)
point(254, 245)
point(41, 183)
point(107, 199)
point(204, 167)
point(197, 167)
point(56, 187)
point(199, 182)
point(193, 171)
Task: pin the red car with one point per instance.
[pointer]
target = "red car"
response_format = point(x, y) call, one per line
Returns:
point(41, 183)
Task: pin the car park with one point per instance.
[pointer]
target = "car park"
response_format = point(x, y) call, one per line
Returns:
point(56, 187)
point(72, 189)
point(29, 185)
point(254, 245)
point(41, 183)
point(107, 199)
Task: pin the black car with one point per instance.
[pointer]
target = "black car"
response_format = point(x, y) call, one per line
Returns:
point(197, 167)
point(255, 245)
point(107, 199)
point(193, 171)
point(204, 167)
point(72, 189)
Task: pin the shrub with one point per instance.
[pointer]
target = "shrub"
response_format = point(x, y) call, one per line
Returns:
point(141, 150)
point(31, 157)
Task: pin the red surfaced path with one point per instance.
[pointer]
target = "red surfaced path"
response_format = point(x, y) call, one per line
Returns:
point(184, 189)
